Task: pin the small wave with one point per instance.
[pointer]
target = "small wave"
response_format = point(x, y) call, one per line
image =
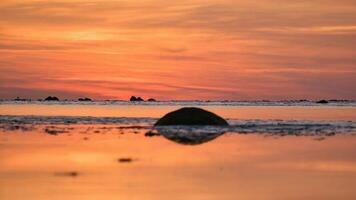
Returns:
point(278, 127)
point(73, 120)
point(292, 127)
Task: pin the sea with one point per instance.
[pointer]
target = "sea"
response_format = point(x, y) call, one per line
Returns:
point(271, 150)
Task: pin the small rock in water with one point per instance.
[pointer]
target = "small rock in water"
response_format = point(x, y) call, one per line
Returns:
point(54, 131)
point(21, 99)
point(124, 160)
point(50, 98)
point(84, 99)
point(191, 116)
point(70, 174)
point(133, 98)
point(322, 102)
point(151, 100)
point(151, 134)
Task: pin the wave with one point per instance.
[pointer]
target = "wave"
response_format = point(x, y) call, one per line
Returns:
point(29, 119)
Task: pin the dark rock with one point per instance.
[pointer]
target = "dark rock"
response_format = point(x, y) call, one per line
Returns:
point(124, 160)
point(151, 99)
point(20, 99)
point(84, 99)
point(322, 102)
point(50, 98)
point(191, 116)
point(54, 130)
point(133, 98)
point(70, 174)
point(151, 134)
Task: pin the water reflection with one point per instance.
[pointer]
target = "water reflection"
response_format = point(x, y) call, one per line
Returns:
point(190, 135)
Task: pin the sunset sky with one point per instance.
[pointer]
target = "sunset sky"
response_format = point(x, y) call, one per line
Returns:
point(186, 49)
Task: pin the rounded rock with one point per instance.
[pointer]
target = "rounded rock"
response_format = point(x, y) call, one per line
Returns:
point(191, 116)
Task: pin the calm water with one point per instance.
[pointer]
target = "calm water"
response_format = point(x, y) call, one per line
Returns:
point(103, 151)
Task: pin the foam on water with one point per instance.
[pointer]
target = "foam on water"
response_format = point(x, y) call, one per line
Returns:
point(73, 120)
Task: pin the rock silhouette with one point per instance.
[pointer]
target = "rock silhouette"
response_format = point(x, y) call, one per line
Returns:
point(133, 98)
point(191, 116)
point(125, 160)
point(151, 99)
point(21, 99)
point(84, 99)
point(322, 102)
point(50, 98)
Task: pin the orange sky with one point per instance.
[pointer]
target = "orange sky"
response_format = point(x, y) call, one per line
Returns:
point(187, 49)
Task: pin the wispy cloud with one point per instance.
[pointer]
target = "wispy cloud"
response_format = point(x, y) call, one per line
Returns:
point(189, 49)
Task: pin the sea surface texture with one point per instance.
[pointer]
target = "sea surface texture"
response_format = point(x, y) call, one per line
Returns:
point(111, 150)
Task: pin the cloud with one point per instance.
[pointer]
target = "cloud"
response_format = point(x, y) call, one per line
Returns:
point(186, 49)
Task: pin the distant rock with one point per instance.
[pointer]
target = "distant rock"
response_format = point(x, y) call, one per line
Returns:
point(322, 102)
point(20, 99)
point(133, 98)
point(191, 116)
point(151, 99)
point(84, 99)
point(50, 98)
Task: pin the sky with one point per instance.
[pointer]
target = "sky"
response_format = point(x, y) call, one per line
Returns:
point(183, 50)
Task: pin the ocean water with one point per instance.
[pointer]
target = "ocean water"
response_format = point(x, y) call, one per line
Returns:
point(110, 150)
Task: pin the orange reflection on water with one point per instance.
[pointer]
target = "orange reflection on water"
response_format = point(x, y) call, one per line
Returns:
point(36, 166)
point(232, 112)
